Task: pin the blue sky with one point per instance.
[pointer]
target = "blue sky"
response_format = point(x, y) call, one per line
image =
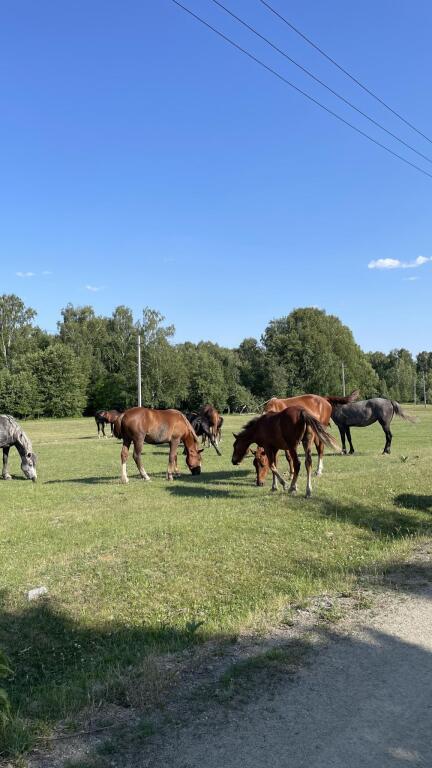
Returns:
point(142, 157)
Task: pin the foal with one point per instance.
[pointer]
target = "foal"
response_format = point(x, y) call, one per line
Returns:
point(284, 430)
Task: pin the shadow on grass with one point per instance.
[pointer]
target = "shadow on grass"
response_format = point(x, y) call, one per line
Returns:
point(414, 501)
point(60, 666)
point(388, 523)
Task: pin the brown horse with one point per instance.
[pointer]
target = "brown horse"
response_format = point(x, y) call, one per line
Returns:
point(283, 430)
point(214, 420)
point(320, 408)
point(147, 425)
point(106, 417)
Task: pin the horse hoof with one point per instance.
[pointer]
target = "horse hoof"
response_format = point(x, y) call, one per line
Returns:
point(308, 494)
point(351, 452)
point(125, 480)
point(293, 491)
point(7, 477)
point(317, 473)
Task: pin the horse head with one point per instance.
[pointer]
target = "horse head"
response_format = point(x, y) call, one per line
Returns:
point(261, 464)
point(28, 465)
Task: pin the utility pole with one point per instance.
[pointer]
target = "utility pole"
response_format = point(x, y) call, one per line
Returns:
point(139, 367)
point(343, 379)
point(424, 389)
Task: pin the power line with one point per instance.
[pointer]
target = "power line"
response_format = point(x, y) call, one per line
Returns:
point(299, 90)
point(342, 69)
point(321, 82)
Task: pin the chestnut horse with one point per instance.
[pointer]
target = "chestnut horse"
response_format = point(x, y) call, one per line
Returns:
point(320, 408)
point(148, 425)
point(284, 430)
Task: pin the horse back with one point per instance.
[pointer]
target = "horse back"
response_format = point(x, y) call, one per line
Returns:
point(317, 406)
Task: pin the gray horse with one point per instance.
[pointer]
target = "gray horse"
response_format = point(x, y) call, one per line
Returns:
point(366, 412)
point(12, 434)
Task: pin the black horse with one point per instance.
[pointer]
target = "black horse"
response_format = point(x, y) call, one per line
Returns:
point(366, 412)
point(202, 427)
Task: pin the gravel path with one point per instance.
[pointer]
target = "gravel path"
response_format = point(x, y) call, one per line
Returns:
point(363, 701)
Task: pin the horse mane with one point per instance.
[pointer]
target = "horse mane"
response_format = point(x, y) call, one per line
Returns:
point(250, 424)
point(190, 427)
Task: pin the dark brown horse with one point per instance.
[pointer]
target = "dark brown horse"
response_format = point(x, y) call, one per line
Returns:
point(147, 425)
point(283, 430)
point(106, 417)
point(214, 420)
point(320, 408)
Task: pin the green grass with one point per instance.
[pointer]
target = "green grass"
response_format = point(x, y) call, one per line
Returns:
point(149, 568)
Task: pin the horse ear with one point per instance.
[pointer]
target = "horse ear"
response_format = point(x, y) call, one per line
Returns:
point(235, 435)
point(200, 450)
point(252, 452)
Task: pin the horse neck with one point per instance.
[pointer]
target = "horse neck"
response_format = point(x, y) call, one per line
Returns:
point(189, 442)
point(23, 444)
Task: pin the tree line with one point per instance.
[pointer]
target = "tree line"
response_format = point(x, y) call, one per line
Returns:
point(91, 361)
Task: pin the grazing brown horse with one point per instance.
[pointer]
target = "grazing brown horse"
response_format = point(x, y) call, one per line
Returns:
point(214, 420)
point(283, 430)
point(320, 408)
point(106, 417)
point(147, 425)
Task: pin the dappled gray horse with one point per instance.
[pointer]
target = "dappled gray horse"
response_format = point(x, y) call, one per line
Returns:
point(12, 434)
point(366, 412)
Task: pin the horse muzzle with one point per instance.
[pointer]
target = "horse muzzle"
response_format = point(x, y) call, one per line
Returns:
point(196, 470)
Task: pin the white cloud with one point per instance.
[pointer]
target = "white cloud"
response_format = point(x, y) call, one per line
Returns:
point(94, 288)
point(47, 272)
point(25, 274)
point(410, 279)
point(397, 264)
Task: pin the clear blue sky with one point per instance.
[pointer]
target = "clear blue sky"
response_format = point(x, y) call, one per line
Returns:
point(141, 156)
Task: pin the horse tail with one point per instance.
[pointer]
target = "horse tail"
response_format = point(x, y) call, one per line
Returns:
point(117, 427)
point(343, 400)
point(397, 410)
point(320, 432)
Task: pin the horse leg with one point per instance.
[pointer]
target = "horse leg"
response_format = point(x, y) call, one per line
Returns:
point(124, 456)
point(105, 436)
point(138, 446)
point(172, 460)
point(98, 426)
point(388, 434)
point(271, 455)
point(5, 474)
point(274, 476)
point(296, 464)
point(112, 429)
point(342, 437)
point(348, 432)
point(307, 441)
point(290, 463)
point(320, 450)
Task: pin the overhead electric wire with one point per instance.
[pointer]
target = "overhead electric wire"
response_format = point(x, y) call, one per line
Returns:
point(342, 69)
point(299, 90)
point(321, 82)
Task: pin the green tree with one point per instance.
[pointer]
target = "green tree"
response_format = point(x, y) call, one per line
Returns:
point(15, 326)
point(310, 347)
point(62, 382)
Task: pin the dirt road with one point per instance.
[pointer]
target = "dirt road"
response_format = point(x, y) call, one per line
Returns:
point(364, 700)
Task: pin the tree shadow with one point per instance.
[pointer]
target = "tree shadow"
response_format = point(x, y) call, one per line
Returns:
point(387, 522)
point(414, 501)
point(60, 666)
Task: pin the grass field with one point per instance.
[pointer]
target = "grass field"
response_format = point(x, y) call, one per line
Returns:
point(151, 568)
